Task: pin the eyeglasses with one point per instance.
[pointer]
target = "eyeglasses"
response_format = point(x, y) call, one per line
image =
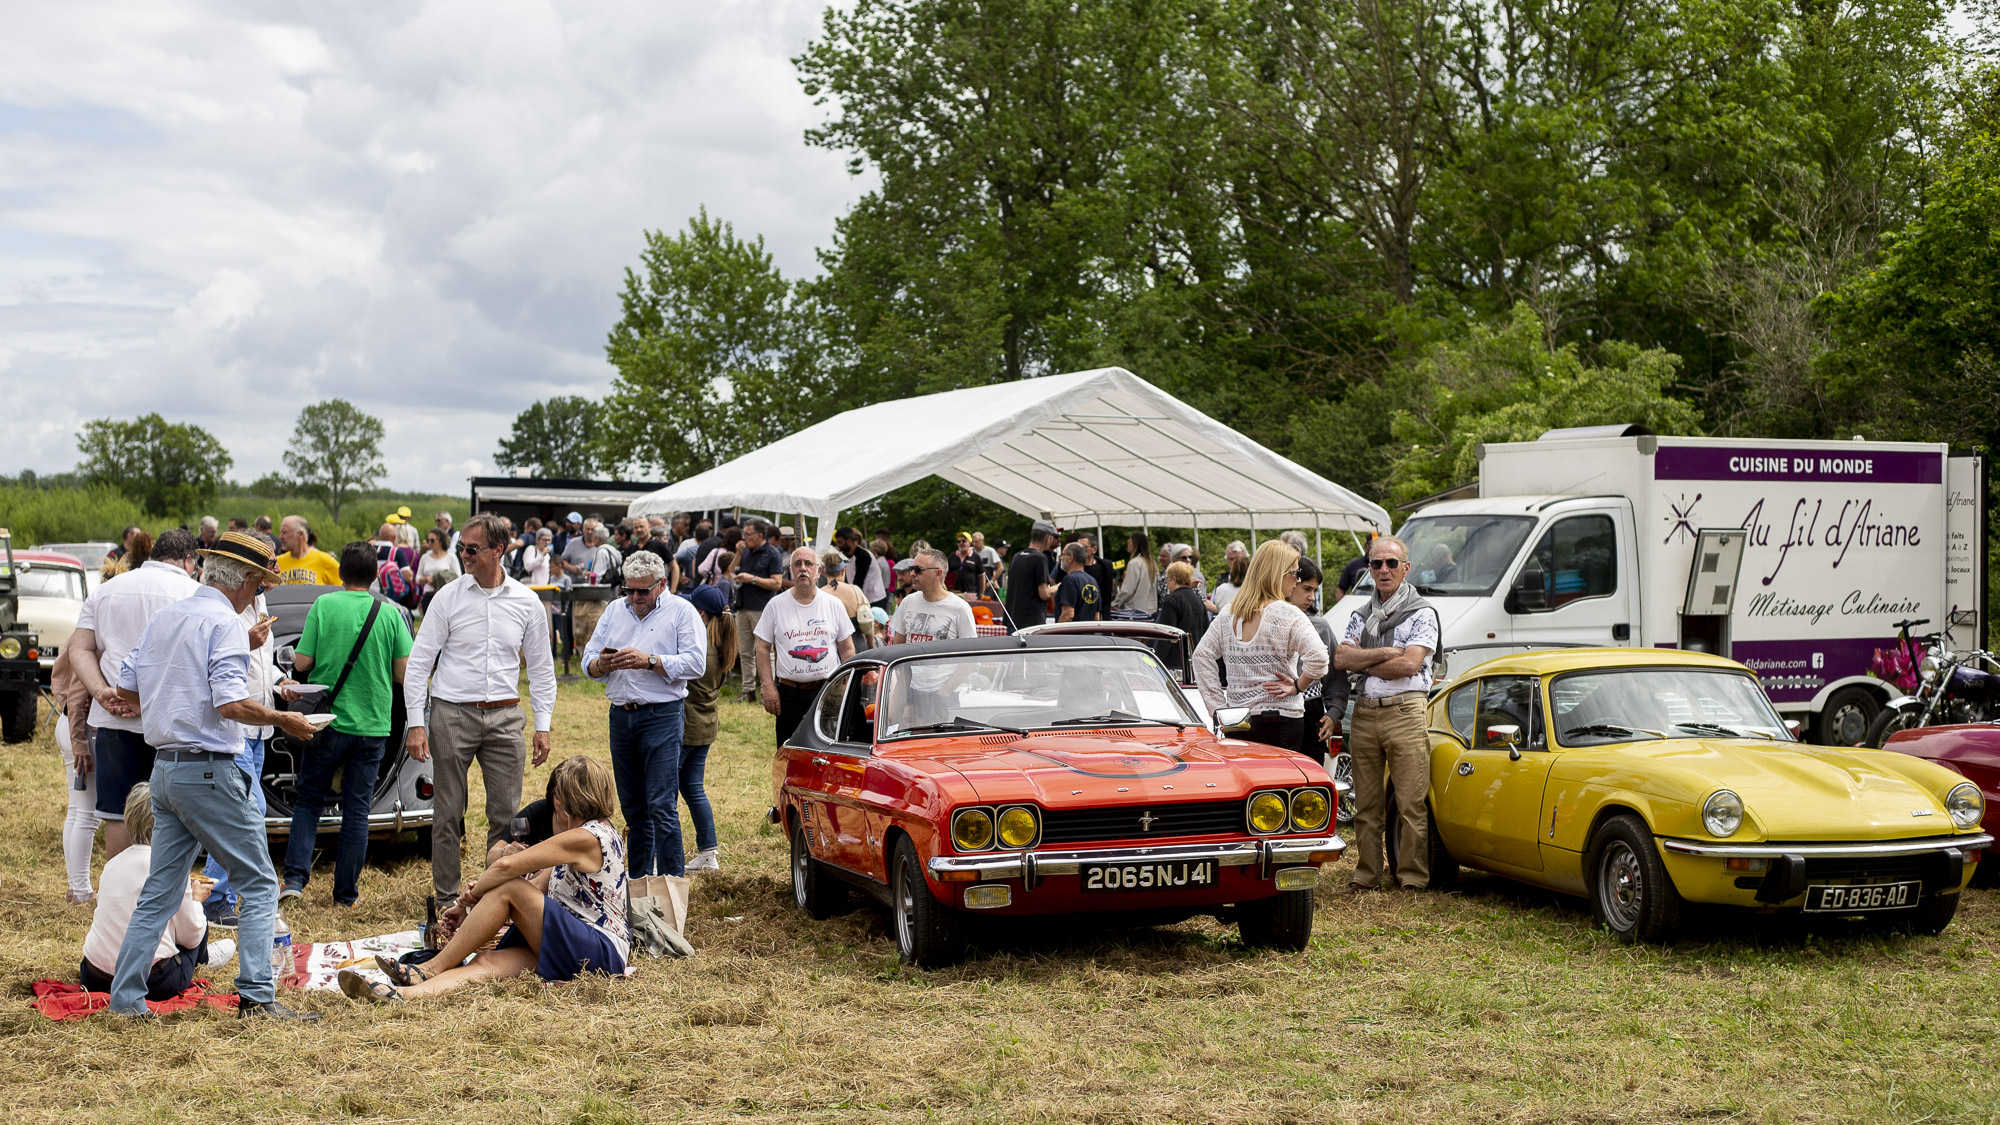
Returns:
point(1384, 564)
point(628, 591)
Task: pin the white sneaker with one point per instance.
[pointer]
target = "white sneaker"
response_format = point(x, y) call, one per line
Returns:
point(705, 861)
point(221, 951)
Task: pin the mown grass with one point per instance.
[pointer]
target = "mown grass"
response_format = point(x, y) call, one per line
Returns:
point(1494, 1004)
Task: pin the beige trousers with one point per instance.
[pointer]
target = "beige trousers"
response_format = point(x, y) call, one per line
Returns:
point(1391, 739)
point(459, 736)
point(746, 651)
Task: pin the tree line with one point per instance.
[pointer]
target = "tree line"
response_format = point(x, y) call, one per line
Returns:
point(1368, 233)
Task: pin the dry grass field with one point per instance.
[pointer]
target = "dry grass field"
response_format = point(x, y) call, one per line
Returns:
point(1494, 1004)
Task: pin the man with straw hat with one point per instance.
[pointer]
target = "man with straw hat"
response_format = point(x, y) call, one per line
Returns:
point(189, 677)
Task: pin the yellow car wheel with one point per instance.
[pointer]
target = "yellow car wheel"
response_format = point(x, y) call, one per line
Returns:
point(1631, 893)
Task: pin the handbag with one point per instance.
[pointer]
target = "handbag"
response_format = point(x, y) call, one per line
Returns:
point(656, 913)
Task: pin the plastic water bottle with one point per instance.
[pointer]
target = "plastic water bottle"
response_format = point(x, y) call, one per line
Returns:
point(282, 966)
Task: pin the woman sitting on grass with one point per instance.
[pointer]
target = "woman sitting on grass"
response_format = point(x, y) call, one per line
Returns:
point(565, 898)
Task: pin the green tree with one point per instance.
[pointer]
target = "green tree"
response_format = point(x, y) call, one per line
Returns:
point(1510, 384)
point(335, 452)
point(170, 468)
point(712, 357)
point(554, 438)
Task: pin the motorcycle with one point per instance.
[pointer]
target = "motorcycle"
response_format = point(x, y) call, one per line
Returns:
point(1951, 687)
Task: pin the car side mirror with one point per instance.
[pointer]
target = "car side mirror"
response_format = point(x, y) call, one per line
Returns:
point(1508, 733)
point(1793, 726)
point(1530, 593)
point(1225, 717)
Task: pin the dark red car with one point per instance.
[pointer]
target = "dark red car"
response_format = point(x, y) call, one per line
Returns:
point(1042, 775)
point(1972, 749)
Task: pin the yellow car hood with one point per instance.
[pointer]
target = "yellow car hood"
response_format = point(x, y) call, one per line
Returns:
point(1792, 791)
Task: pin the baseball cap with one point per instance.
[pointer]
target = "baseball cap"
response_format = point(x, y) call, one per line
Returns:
point(576, 517)
point(785, 530)
point(709, 600)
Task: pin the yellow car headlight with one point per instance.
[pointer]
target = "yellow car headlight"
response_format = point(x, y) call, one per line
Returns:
point(10, 648)
point(1310, 809)
point(1722, 813)
point(972, 830)
point(1017, 827)
point(1965, 804)
point(1267, 813)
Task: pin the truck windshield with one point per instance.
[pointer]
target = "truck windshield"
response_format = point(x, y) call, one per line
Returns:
point(1461, 556)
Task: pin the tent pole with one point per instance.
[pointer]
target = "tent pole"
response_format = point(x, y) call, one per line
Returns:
point(1253, 531)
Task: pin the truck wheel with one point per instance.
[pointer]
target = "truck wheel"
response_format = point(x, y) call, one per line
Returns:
point(1444, 869)
point(1631, 893)
point(1891, 720)
point(815, 891)
point(17, 715)
point(927, 931)
point(1283, 921)
point(1845, 720)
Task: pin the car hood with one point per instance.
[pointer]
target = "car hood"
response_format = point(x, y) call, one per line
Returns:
point(1084, 770)
point(1798, 792)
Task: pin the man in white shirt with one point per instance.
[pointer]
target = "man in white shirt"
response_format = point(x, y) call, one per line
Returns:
point(467, 660)
point(646, 648)
point(802, 636)
point(109, 626)
point(931, 612)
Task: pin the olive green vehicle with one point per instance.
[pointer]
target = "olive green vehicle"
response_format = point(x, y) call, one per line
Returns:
point(20, 670)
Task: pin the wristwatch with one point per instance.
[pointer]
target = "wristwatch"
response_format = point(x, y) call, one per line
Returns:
point(652, 662)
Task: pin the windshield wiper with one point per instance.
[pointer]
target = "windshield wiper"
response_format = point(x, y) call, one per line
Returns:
point(1727, 732)
point(1114, 717)
point(960, 722)
point(1612, 729)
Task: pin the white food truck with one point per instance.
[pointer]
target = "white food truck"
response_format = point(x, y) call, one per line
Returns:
point(1797, 558)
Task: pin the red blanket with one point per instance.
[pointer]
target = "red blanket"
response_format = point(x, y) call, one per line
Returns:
point(60, 1000)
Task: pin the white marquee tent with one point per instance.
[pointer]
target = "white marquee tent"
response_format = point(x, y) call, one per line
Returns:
point(1084, 449)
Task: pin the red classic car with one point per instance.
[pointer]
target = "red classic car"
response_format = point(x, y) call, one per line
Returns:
point(1042, 775)
point(1971, 749)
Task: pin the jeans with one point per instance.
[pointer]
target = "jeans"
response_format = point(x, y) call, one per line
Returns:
point(362, 758)
point(202, 804)
point(694, 763)
point(252, 763)
point(646, 764)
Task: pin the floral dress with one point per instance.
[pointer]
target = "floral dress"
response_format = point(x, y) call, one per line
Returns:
point(599, 898)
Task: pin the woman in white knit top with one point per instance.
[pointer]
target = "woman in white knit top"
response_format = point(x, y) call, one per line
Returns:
point(1268, 648)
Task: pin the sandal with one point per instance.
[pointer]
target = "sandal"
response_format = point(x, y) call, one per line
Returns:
point(358, 987)
point(404, 975)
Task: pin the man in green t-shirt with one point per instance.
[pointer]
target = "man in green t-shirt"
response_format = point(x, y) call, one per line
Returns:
point(359, 734)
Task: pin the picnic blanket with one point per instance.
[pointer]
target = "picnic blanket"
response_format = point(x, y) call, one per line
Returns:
point(60, 1000)
point(318, 963)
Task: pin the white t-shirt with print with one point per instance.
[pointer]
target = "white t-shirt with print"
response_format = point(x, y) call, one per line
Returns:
point(918, 620)
point(804, 639)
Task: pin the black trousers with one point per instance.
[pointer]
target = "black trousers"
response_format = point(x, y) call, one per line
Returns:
point(1310, 743)
point(1273, 729)
point(793, 704)
point(170, 977)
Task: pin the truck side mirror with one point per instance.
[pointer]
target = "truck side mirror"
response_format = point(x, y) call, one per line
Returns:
point(1530, 593)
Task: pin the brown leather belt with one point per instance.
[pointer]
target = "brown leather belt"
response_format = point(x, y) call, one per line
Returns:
point(801, 685)
point(494, 705)
point(1384, 701)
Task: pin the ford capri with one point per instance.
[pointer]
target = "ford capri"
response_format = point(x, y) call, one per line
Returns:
point(1646, 779)
point(1045, 775)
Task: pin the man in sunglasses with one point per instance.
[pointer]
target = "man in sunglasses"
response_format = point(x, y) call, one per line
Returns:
point(462, 692)
point(802, 636)
point(1389, 642)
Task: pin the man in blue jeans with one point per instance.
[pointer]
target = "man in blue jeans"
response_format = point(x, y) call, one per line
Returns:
point(646, 648)
point(360, 672)
point(188, 677)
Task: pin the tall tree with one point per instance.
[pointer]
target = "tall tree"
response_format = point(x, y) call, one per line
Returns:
point(335, 452)
point(555, 438)
point(170, 468)
point(712, 357)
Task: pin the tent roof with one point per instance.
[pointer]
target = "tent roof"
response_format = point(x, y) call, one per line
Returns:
point(1090, 446)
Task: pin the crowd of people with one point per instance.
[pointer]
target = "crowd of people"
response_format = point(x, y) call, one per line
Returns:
point(169, 684)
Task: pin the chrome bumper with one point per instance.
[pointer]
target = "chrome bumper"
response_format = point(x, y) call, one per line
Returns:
point(391, 822)
point(1032, 866)
point(1836, 850)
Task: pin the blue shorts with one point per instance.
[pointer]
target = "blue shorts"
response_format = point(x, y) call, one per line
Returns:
point(122, 760)
point(570, 946)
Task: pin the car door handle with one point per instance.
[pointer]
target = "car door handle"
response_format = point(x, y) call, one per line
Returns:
point(1465, 769)
point(819, 761)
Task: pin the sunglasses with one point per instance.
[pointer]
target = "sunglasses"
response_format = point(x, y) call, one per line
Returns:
point(465, 548)
point(1384, 564)
point(628, 591)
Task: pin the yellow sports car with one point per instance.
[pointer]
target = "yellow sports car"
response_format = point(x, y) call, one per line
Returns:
point(1643, 779)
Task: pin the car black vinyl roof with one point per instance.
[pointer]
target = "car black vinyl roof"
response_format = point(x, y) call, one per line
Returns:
point(971, 645)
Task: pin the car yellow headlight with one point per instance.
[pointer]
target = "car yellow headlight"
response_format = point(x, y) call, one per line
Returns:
point(972, 830)
point(1722, 813)
point(1267, 813)
point(10, 648)
point(1965, 804)
point(1309, 809)
point(1017, 827)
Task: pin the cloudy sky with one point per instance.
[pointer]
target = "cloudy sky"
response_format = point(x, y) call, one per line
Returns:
point(225, 211)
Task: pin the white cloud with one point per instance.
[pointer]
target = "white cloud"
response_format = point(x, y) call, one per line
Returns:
point(427, 210)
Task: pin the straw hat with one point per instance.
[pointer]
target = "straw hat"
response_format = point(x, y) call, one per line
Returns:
point(246, 548)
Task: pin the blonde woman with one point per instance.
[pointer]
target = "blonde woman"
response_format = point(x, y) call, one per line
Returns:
point(1269, 648)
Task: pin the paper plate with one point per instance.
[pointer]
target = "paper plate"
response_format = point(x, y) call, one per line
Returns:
point(319, 722)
